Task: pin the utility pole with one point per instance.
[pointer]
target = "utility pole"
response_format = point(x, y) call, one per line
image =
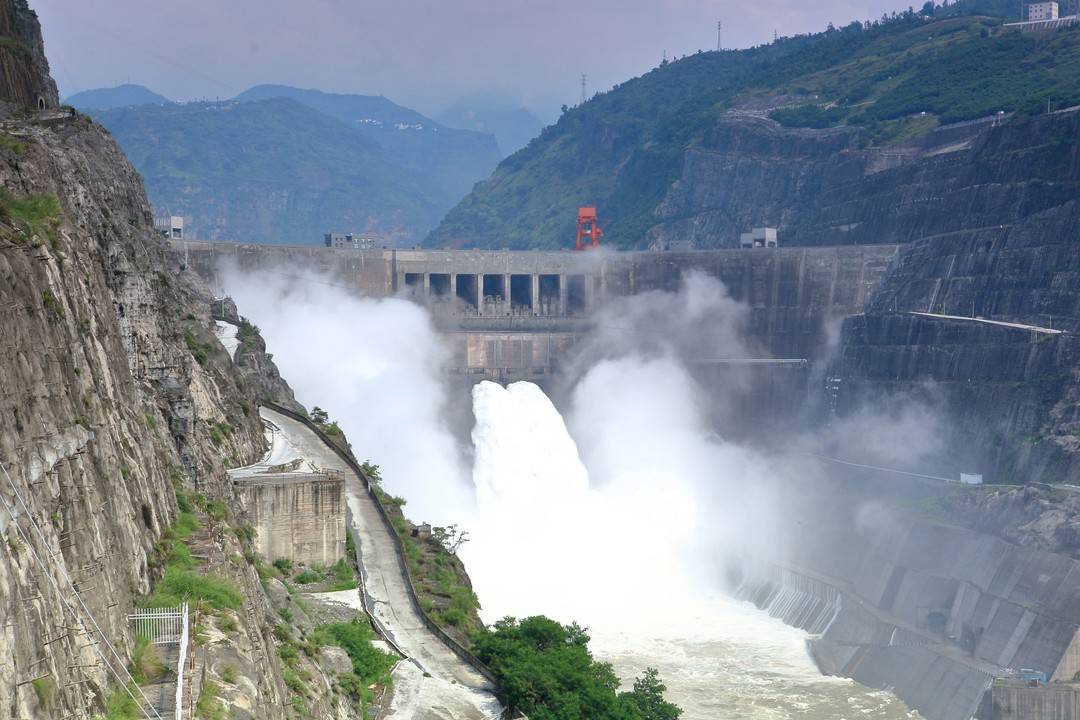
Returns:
point(719, 29)
point(583, 78)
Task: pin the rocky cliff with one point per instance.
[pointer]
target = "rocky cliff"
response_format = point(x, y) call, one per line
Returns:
point(825, 187)
point(1009, 386)
point(115, 400)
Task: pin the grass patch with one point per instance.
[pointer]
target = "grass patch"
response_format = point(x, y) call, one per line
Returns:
point(248, 335)
point(208, 706)
point(37, 217)
point(51, 303)
point(45, 689)
point(16, 146)
point(182, 585)
point(219, 431)
point(226, 623)
point(146, 664)
point(198, 350)
point(339, 576)
point(228, 674)
point(186, 523)
point(119, 705)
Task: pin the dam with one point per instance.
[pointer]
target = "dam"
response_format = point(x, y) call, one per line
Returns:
point(941, 616)
point(515, 314)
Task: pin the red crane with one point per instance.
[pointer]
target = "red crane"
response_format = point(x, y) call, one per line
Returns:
point(588, 228)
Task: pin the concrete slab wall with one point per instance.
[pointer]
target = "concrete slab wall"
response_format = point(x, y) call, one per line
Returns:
point(1035, 703)
point(793, 293)
point(299, 516)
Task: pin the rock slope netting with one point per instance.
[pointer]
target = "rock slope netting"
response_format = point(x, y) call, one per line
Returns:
point(115, 399)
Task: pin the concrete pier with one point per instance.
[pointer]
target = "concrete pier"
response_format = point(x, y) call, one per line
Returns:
point(505, 310)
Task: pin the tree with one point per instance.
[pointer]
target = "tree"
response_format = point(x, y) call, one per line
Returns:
point(450, 538)
point(647, 698)
point(319, 416)
point(371, 470)
point(545, 670)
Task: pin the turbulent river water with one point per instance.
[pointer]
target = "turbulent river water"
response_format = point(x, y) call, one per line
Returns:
point(610, 517)
point(622, 556)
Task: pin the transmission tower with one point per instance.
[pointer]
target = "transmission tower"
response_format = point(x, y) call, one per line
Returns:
point(719, 30)
point(583, 78)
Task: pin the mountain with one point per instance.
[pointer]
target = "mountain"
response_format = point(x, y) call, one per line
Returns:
point(513, 127)
point(272, 171)
point(453, 159)
point(115, 97)
point(707, 146)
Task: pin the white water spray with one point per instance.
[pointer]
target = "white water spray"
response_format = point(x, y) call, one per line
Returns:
point(611, 518)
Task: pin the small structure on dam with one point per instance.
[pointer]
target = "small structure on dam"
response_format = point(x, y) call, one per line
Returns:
point(296, 515)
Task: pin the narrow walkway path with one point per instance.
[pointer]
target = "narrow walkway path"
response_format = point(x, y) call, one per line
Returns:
point(999, 323)
point(436, 684)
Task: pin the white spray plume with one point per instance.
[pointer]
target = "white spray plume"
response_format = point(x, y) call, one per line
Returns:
point(376, 366)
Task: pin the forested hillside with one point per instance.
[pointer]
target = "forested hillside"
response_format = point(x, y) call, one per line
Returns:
point(888, 82)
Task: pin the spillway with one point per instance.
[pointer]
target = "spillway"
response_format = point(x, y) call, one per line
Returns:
point(619, 553)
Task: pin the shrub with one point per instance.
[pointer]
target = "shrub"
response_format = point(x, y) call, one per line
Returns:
point(369, 663)
point(307, 577)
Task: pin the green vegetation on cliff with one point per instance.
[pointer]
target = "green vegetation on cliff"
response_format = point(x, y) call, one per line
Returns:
point(623, 149)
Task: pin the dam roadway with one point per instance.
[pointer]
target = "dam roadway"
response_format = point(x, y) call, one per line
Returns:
point(432, 683)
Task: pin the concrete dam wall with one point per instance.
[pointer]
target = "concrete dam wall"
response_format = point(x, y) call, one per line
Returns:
point(513, 315)
point(932, 611)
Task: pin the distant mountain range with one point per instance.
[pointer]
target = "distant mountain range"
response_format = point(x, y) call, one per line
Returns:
point(115, 97)
point(513, 127)
point(279, 164)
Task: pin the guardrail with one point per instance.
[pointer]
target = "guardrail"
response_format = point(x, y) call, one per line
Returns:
point(399, 549)
point(166, 626)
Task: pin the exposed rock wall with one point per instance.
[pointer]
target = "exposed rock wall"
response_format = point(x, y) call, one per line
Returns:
point(1008, 396)
point(824, 187)
point(113, 392)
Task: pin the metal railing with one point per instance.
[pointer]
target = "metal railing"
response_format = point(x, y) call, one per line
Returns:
point(166, 626)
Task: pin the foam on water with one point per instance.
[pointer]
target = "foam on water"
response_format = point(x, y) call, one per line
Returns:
point(618, 551)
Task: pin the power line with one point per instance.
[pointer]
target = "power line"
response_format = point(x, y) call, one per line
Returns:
point(75, 615)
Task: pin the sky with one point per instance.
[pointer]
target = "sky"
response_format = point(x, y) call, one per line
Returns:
point(426, 54)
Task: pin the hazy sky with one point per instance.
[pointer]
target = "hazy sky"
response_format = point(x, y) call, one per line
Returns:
point(423, 53)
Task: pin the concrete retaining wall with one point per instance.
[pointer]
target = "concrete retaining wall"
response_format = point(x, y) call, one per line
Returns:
point(296, 516)
point(1035, 703)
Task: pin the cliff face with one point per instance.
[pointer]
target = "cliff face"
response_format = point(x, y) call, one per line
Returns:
point(1012, 394)
point(114, 396)
point(824, 187)
point(24, 71)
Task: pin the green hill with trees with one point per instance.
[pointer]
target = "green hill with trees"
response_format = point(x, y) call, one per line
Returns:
point(893, 79)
